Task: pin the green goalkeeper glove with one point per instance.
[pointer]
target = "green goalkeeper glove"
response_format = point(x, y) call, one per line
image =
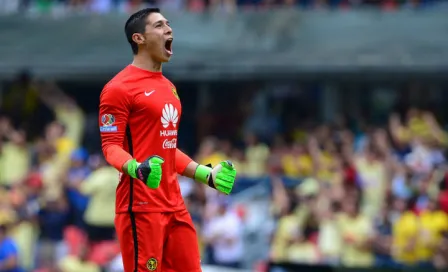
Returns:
point(221, 177)
point(149, 171)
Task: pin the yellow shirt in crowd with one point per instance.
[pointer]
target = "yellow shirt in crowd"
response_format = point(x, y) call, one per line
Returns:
point(432, 224)
point(297, 166)
point(256, 157)
point(415, 238)
point(329, 240)
point(286, 228)
point(405, 232)
point(374, 182)
point(54, 168)
point(418, 126)
point(74, 264)
point(355, 232)
point(101, 186)
point(25, 234)
point(14, 163)
point(213, 159)
point(73, 120)
point(325, 163)
point(305, 252)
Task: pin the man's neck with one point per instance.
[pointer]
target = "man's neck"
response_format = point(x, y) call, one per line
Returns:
point(145, 62)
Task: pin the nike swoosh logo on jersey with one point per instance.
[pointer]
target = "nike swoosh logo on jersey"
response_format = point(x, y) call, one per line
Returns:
point(148, 94)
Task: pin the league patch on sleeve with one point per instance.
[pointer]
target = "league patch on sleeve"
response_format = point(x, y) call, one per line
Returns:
point(108, 121)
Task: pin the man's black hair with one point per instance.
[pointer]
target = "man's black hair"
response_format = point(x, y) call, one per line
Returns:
point(136, 24)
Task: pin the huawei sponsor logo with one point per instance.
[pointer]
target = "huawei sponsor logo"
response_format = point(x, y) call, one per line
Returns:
point(169, 116)
point(167, 133)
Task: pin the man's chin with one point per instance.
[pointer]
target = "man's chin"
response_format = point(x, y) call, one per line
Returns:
point(166, 59)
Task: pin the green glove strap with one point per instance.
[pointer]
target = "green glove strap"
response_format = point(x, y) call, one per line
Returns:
point(202, 173)
point(132, 168)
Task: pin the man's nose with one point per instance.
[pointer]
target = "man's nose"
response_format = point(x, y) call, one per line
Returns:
point(168, 30)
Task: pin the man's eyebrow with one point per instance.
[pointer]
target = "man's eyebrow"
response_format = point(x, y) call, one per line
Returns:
point(161, 21)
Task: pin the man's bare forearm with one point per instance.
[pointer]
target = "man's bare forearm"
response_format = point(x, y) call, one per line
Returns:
point(190, 170)
point(124, 168)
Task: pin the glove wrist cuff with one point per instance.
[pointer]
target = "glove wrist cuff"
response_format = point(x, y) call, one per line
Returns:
point(202, 173)
point(132, 168)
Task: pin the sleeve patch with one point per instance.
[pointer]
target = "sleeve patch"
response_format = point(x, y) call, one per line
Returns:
point(108, 121)
point(109, 129)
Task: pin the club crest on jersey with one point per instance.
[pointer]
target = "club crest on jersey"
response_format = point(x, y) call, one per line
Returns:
point(173, 89)
point(108, 121)
point(151, 264)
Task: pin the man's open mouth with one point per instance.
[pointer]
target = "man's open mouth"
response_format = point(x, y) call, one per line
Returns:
point(168, 46)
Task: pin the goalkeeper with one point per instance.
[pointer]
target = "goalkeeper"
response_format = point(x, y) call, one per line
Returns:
point(139, 119)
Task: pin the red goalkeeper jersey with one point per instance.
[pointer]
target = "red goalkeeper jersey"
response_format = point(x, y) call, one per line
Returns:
point(139, 117)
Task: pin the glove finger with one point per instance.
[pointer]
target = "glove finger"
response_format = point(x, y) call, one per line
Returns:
point(227, 180)
point(223, 190)
point(228, 171)
point(156, 160)
point(226, 176)
point(156, 166)
point(156, 172)
point(227, 165)
point(225, 183)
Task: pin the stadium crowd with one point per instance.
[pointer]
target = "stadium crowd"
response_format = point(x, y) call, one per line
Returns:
point(375, 197)
point(341, 195)
point(104, 6)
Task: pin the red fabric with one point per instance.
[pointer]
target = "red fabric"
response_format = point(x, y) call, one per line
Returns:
point(443, 201)
point(314, 237)
point(146, 104)
point(241, 211)
point(34, 180)
point(168, 239)
point(182, 161)
point(350, 175)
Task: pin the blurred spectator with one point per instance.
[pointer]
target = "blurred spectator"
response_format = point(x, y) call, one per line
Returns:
point(100, 187)
point(78, 262)
point(9, 254)
point(75, 177)
point(302, 247)
point(14, 154)
point(257, 155)
point(21, 101)
point(65, 109)
point(329, 241)
point(433, 223)
point(372, 173)
point(53, 218)
point(297, 163)
point(382, 241)
point(209, 152)
point(223, 231)
point(357, 235)
point(405, 233)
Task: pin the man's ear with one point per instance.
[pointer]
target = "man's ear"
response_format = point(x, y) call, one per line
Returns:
point(138, 38)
